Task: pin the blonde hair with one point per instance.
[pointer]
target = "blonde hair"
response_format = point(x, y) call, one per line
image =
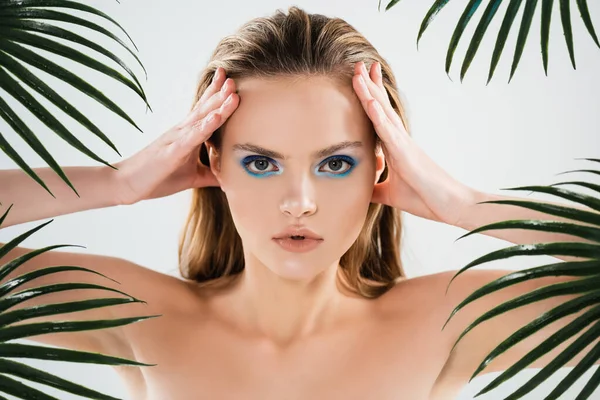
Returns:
point(294, 45)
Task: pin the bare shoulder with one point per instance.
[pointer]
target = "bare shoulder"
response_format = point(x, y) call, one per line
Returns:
point(435, 296)
point(413, 313)
point(162, 293)
point(168, 300)
point(421, 293)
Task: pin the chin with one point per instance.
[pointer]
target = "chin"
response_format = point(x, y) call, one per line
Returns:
point(297, 271)
point(289, 266)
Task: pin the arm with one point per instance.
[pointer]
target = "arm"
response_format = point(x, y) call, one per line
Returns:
point(97, 188)
point(133, 279)
point(166, 166)
point(477, 215)
point(478, 343)
point(463, 361)
point(417, 185)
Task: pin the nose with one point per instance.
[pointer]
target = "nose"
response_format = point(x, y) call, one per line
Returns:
point(300, 200)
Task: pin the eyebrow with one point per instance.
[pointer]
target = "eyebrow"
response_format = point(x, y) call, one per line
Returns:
point(317, 154)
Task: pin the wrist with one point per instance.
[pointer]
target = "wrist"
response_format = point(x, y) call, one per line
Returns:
point(121, 193)
point(466, 218)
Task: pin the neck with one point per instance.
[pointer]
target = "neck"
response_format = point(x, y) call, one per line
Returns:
point(284, 310)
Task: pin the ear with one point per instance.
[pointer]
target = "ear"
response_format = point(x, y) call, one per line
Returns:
point(214, 161)
point(379, 163)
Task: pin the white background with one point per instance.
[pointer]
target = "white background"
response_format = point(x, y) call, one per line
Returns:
point(490, 137)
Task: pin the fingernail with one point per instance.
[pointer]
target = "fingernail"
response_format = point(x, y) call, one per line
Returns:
point(224, 88)
point(229, 98)
point(379, 69)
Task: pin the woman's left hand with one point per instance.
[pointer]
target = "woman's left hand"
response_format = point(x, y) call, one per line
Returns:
point(415, 183)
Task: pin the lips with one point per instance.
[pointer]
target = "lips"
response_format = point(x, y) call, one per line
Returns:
point(297, 233)
point(298, 246)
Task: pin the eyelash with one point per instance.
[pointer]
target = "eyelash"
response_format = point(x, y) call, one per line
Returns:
point(350, 161)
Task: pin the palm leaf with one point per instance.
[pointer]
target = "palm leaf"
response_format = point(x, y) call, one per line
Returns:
point(565, 18)
point(579, 183)
point(12, 153)
point(9, 331)
point(21, 280)
point(25, 313)
point(488, 15)
point(19, 26)
point(571, 268)
point(17, 388)
point(27, 372)
point(526, 22)
point(466, 16)
point(51, 30)
point(586, 286)
point(433, 11)
point(585, 232)
point(587, 20)
point(545, 32)
point(558, 289)
point(534, 326)
point(551, 342)
point(17, 350)
point(507, 22)
point(29, 137)
point(390, 5)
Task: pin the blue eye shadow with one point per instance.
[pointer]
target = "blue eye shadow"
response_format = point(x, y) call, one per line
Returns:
point(250, 159)
point(351, 161)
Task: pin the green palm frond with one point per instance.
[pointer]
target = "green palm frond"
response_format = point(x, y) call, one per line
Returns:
point(510, 15)
point(12, 332)
point(19, 26)
point(587, 286)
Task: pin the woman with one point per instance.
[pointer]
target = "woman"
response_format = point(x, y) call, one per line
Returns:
point(290, 136)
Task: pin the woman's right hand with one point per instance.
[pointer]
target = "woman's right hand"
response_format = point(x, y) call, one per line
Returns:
point(171, 163)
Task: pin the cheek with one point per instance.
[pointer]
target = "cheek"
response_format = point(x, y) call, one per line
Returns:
point(247, 202)
point(346, 206)
point(252, 205)
point(342, 202)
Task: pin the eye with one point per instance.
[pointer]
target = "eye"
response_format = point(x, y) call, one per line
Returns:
point(260, 164)
point(336, 164)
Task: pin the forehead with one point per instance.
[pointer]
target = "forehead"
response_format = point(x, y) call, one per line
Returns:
point(296, 113)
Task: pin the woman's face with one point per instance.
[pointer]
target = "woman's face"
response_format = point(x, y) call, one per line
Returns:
point(294, 119)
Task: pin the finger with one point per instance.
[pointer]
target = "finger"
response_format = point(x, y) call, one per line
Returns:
point(202, 129)
point(368, 101)
point(376, 77)
point(386, 130)
point(217, 99)
point(218, 78)
point(379, 93)
point(212, 103)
